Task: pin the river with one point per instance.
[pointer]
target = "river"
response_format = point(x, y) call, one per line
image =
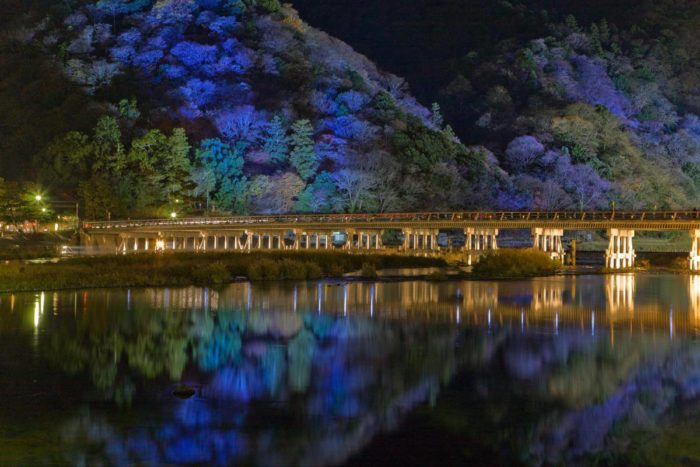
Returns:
point(567, 369)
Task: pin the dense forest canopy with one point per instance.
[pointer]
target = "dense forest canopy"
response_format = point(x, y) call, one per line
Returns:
point(504, 70)
point(143, 107)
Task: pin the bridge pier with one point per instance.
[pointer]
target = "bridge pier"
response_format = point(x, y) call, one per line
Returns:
point(549, 241)
point(478, 241)
point(694, 254)
point(620, 253)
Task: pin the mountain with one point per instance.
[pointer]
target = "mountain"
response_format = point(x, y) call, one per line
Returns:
point(546, 83)
point(146, 107)
point(140, 107)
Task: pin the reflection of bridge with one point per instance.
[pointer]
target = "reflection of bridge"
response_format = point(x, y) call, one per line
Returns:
point(587, 302)
point(365, 231)
point(590, 303)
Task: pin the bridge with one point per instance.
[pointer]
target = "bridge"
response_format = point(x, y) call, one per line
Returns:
point(419, 232)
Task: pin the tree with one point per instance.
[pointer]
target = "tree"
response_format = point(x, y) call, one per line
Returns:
point(276, 141)
point(354, 187)
point(436, 116)
point(161, 163)
point(319, 196)
point(204, 181)
point(303, 156)
point(523, 151)
point(107, 146)
point(269, 6)
point(220, 157)
point(176, 165)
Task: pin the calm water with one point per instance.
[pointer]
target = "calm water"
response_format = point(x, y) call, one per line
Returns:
point(569, 369)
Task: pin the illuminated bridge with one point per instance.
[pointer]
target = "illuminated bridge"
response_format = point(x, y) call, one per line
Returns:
point(419, 231)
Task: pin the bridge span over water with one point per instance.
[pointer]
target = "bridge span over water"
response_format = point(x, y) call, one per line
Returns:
point(419, 232)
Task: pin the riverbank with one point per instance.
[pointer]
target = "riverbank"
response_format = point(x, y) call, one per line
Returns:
point(185, 269)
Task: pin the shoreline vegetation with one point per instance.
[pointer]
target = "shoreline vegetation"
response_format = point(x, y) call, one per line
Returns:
point(182, 269)
point(514, 264)
point(198, 269)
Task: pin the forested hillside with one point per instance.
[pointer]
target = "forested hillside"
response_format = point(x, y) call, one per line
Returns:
point(138, 108)
point(614, 85)
point(143, 107)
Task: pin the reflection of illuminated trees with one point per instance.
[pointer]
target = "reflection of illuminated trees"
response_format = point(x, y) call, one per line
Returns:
point(354, 376)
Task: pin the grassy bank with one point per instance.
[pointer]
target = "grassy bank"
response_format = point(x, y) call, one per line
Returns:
point(182, 269)
point(511, 263)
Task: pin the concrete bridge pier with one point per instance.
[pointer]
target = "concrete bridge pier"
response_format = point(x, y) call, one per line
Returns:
point(620, 253)
point(416, 241)
point(479, 241)
point(549, 241)
point(694, 255)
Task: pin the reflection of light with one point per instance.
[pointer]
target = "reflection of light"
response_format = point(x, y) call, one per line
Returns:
point(345, 300)
point(670, 323)
point(489, 318)
point(371, 300)
point(42, 303)
point(458, 313)
point(593, 323)
point(522, 320)
point(296, 294)
point(320, 295)
point(36, 314)
point(556, 323)
point(206, 298)
point(128, 299)
point(249, 297)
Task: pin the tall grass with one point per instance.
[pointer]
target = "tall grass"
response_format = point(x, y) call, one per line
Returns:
point(182, 269)
point(511, 263)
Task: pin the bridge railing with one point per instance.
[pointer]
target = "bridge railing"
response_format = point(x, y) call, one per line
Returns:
point(400, 218)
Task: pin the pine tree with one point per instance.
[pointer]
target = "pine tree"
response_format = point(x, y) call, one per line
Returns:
point(595, 40)
point(436, 116)
point(276, 141)
point(571, 23)
point(449, 133)
point(303, 156)
point(604, 31)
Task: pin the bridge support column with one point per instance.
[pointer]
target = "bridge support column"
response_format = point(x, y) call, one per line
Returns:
point(694, 254)
point(620, 253)
point(123, 244)
point(468, 239)
point(549, 241)
point(477, 241)
point(406, 240)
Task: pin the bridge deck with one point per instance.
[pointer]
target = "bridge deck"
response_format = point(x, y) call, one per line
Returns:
point(569, 220)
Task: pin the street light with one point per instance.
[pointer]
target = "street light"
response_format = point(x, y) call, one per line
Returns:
point(38, 197)
point(173, 215)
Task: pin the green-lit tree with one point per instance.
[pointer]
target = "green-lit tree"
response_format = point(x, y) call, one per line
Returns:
point(276, 141)
point(436, 116)
point(303, 157)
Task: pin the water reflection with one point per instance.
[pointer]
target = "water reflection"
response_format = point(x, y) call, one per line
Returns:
point(637, 303)
point(311, 373)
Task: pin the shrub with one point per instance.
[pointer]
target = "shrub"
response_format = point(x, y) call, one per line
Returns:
point(313, 271)
point(510, 263)
point(263, 269)
point(369, 270)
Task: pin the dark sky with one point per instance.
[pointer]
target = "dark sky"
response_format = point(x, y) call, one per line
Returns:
point(414, 38)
